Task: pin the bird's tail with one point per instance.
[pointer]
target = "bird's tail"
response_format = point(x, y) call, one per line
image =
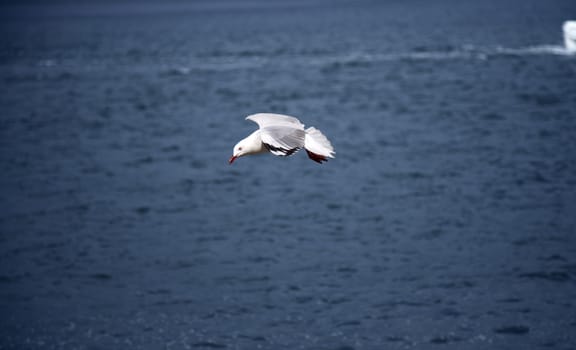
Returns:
point(317, 146)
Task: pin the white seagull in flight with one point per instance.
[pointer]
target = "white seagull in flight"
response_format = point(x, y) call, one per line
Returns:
point(283, 135)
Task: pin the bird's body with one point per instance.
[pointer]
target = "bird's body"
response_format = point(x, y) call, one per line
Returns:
point(283, 135)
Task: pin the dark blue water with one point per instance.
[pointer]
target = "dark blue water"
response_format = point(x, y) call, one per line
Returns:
point(446, 221)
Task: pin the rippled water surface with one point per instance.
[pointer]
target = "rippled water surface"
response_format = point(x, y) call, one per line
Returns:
point(446, 221)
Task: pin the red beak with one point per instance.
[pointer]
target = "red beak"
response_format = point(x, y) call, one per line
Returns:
point(232, 159)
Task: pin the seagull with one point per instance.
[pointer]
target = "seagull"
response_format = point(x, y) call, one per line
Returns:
point(283, 135)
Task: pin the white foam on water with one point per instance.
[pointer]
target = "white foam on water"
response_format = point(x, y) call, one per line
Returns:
point(351, 59)
point(569, 29)
point(535, 50)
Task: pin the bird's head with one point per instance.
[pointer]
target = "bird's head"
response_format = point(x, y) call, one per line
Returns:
point(238, 151)
point(249, 145)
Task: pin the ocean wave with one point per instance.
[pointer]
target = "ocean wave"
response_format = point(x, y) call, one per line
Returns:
point(181, 65)
point(359, 59)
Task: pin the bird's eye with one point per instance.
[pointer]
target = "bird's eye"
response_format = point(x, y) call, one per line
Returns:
point(239, 148)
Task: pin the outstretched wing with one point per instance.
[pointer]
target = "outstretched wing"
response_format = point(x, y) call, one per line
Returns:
point(282, 135)
point(271, 119)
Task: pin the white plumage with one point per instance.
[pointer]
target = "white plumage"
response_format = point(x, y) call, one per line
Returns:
point(283, 135)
